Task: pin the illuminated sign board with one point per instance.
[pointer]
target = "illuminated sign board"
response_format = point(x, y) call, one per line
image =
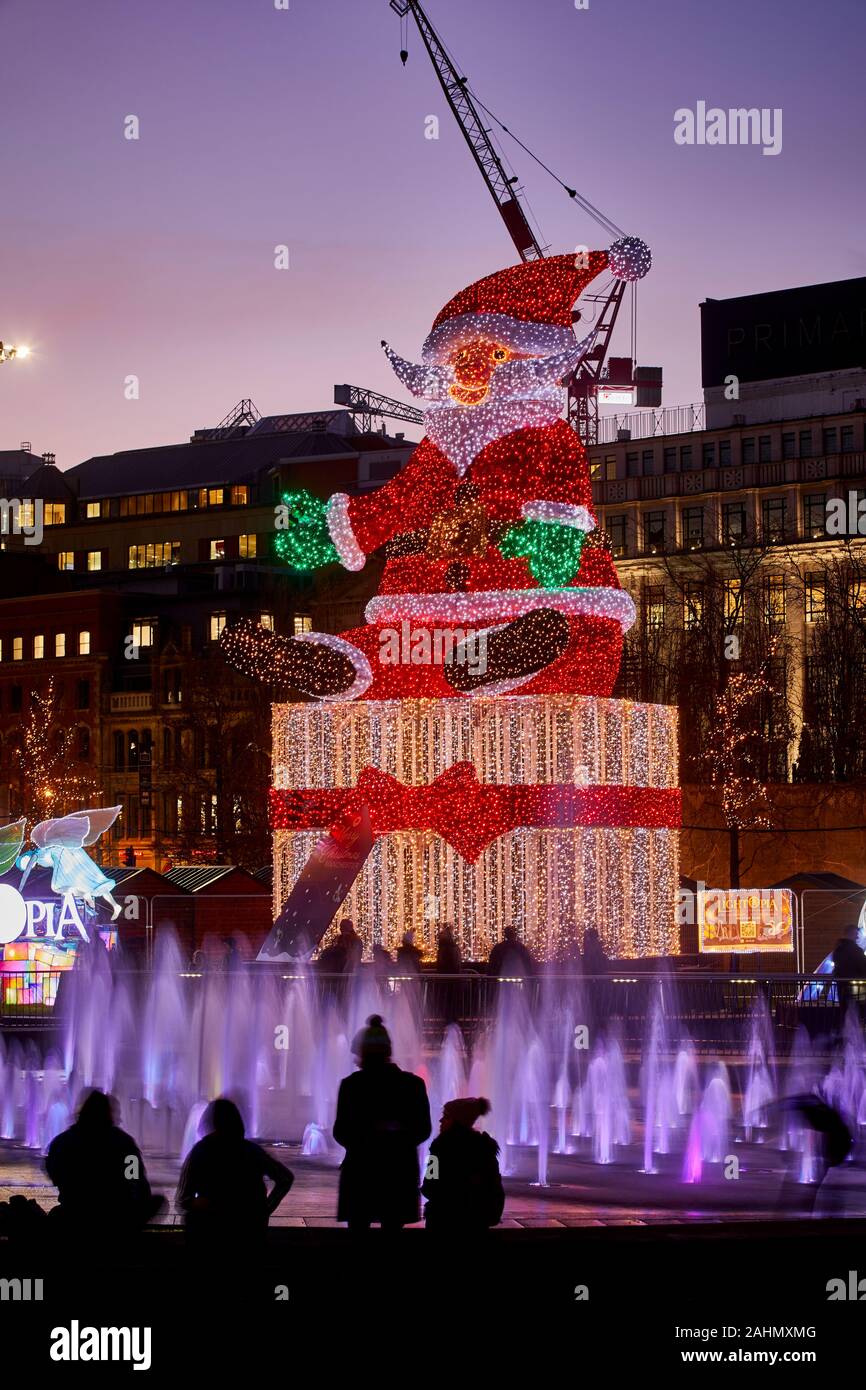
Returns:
point(738, 920)
point(32, 920)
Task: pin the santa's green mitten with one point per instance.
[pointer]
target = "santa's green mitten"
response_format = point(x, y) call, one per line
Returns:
point(303, 539)
point(553, 551)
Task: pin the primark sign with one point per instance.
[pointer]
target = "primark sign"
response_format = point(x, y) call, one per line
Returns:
point(58, 920)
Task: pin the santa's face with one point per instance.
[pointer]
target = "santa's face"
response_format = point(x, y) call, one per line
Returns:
point(473, 365)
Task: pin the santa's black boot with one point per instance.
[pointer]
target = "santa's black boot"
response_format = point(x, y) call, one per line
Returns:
point(507, 656)
point(319, 669)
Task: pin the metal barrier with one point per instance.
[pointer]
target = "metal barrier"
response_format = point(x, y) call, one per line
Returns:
point(710, 1009)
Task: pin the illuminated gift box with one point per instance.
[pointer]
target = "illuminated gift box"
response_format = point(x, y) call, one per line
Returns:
point(549, 813)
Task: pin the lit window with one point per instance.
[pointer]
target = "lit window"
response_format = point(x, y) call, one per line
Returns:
point(302, 623)
point(733, 601)
point(267, 621)
point(66, 560)
point(217, 550)
point(84, 644)
point(55, 513)
point(154, 555)
point(240, 495)
point(654, 606)
point(211, 496)
point(94, 510)
point(815, 597)
point(247, 547)
point(60, 644)
point(38, 647)
point(217, 624)
point(94, 559)
point(142, 633)
point(17, 648)
point(693, 606)
point(775, 596)
point(27, 512)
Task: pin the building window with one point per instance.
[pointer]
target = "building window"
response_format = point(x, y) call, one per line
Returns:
point(247, 547)
point(616, 529)
point(725, 452)
point(217, 626)
point(154, 554)
point(815, 597)
point(94, 510)
point(83, 743)
point(686, 457)
point(66, 560)
point(654, 606)
point(669, 460)
point(60, 644)
point(631, 465)
point(815, 515)
point(648, 466)
point(82, 694)
point(54, 513)
point(773, 515)
point(693, 606)
point(38, 647)
point(765, 448)
point(302, 622)
point(142, 632)
point(789, 445)
point(267, 621)
point(847, 433)
point(733, 602)
point(775, 598)
point(748, 450)
point(733, 522)
point(240, 495)
point(693, 527)
point(654, 532)
point(830, 440)
point(708, 455)
point(84, 644)
point(805, 444)
point(17, 648)
point(118, 752)
point(94, 559)
point(218, 550)
point(16, 699)
point(211, 496)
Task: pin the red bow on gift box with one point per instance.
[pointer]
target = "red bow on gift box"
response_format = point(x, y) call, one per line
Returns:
point(470, 815)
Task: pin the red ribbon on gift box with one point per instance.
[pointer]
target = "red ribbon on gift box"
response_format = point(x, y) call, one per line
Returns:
point(470, 815)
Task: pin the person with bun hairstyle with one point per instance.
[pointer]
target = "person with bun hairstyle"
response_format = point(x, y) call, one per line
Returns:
point(383, 1114)
point(462, 1183)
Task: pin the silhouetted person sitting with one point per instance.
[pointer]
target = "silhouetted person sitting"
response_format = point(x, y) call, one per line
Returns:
point(510, 957)
point(382, 1116)
point(448, 960)
point(332, 960)
point(595, 960)
point(409, 956)
point(99, 1173)
point(849, 958)
point(222, 1190)
point(351, 943)
point(462, 1183)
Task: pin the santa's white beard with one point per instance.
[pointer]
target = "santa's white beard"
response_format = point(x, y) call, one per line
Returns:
point(462, 431)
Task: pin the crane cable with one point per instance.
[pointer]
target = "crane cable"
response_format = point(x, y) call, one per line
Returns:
point(588, 207)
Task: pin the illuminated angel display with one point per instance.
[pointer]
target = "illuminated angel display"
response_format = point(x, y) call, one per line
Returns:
point(60, 846)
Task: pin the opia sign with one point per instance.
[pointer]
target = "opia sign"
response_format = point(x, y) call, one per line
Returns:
point(35, 921)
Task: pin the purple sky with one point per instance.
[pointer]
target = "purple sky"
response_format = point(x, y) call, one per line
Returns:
point(261, 127)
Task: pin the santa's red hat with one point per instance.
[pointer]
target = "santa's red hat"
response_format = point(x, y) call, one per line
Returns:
point(528, 307)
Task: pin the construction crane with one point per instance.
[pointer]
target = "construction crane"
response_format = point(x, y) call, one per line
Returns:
point(592, 377)
point(368, 406)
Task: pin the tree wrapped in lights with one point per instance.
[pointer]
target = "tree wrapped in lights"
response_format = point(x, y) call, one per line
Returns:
point(49, 783)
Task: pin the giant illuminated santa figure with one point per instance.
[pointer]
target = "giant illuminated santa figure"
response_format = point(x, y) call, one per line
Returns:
point(489, 530)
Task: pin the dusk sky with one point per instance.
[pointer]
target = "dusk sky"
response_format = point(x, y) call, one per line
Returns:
point(260, 126)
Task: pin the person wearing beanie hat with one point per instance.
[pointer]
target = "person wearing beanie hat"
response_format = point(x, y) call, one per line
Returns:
point(462, 1183)
point(383, 1114)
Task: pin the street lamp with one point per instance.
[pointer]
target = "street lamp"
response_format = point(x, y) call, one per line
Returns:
point(10, 350)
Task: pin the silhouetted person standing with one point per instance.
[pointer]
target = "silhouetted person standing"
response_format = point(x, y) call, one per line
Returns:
point(462, 1183)
point(222, 1189)
point(232, 957)
point(382, 1116)
point(595, 960)
point(448, 961)
point(849, 963)
point(99, 1173)
point(351, 943)
point(409, 956)
point(510, 957)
